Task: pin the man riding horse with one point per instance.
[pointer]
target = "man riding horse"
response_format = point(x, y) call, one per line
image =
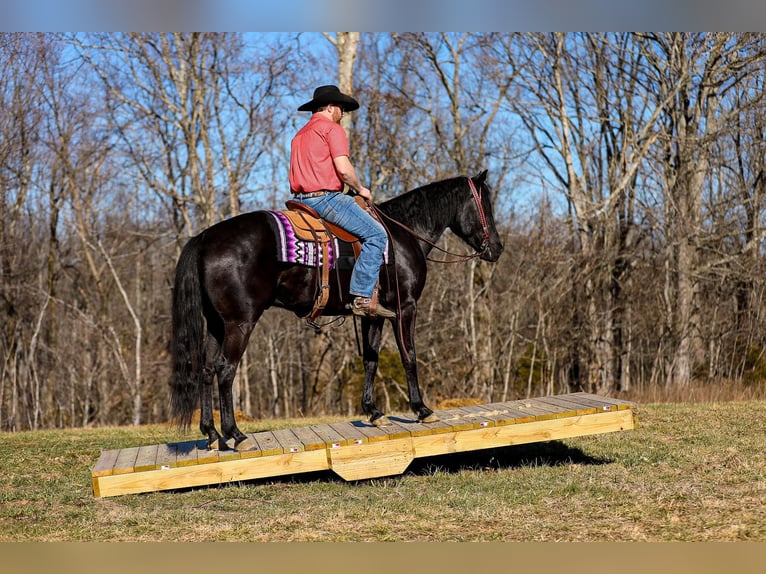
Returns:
point(319, 167)
point(230, 273)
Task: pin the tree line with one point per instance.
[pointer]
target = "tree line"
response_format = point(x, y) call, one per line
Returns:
point(628, 177)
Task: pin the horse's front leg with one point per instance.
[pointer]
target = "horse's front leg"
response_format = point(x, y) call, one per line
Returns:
point(371, 335)
point(405, 340)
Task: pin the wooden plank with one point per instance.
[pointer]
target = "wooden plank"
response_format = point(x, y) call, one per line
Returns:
point(527, 409)
point(469, 419)
point(540, 411)
point(357, 450)
point(590, 401)
point(96, 483)
point(403, 428)
point(536, 431)
point(309, 439)
point(457, 420)
point(105, 463)
point(254, 452)
point(477, 416)
point(372, 460)
point(267, 443)
point(574, 408)
point(331, 437)
point(370, 431)
point(514, 414)
point(146, 458)
point(208, 474)
point(229, 454)
point(554, 408)
point(206, 455)
point(498, 416)
point(166, 455)
point(288, 441)
point(581, 425)
point(448, 443)
point(126, 460)
point(610, 400)
point(348, 431)
point(598, 399)
point(186, 452)
point(397, 427)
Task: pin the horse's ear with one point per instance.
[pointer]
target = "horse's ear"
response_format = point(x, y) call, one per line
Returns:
point(481, 177)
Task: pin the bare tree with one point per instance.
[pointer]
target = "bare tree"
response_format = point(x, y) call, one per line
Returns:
point(24, 288)
point(744, 162)
point(446, 86)
point(205, 106)
point(693, 72)
point(629, 179)
point(579, 96)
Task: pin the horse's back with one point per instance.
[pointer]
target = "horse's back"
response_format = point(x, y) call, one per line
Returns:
point(238, 264)
point(238, 227)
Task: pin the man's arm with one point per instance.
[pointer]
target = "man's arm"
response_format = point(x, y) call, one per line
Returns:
point(347, 175)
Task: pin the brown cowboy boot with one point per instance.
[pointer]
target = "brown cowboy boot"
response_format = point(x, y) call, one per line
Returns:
point(363, 306)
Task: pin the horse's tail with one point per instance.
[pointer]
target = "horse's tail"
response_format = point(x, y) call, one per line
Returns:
point(187, 346)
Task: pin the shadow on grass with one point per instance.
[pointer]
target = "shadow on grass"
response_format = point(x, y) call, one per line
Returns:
point(540, 454)
point(552, 453)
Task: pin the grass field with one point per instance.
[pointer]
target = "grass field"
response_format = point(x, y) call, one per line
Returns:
point(690, 472)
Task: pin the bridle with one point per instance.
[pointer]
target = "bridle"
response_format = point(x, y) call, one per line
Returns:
point(482, 216)
point(476, 193)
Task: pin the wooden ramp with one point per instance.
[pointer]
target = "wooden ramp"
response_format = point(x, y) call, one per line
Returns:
point(357, 450)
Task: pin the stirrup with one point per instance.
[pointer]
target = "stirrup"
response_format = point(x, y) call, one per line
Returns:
point(361, 306)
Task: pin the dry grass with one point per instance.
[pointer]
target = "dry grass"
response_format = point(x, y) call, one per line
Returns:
point(690, 472)
point(698, 392)
point(239, 415)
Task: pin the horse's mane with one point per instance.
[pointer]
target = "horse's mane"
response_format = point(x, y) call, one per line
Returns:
point(425, 207)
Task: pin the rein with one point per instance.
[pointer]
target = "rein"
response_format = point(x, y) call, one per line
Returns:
point(459, 258)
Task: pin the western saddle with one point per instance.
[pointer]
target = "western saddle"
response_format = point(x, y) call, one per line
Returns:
point(308, 226)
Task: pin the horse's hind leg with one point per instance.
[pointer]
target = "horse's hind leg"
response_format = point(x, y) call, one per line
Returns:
point(235, 342)
point(206, 422)
point(218, 364)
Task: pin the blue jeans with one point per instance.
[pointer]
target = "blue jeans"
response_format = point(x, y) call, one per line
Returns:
point(343, 211)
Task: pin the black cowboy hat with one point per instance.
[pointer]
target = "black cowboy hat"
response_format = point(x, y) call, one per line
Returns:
point(324, 95)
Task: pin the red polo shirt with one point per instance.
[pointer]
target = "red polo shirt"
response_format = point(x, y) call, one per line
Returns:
point(311, 156)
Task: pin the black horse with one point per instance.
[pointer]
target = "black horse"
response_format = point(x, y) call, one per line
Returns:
point(229, 274)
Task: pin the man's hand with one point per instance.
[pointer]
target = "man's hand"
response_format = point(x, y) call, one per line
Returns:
point(364, 193)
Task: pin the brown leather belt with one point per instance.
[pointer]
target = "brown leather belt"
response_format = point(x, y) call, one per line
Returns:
point(313, 194)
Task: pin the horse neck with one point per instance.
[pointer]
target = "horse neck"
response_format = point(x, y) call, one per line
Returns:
point(427, 210)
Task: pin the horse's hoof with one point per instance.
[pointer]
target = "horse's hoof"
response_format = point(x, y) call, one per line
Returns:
point(381, 421)
point(432, 418)
point(246, 444)
point(216, 445)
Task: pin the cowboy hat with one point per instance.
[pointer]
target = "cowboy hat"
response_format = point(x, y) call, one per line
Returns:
point(324, 95)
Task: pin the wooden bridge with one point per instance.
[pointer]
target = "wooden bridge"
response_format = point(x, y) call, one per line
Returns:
point(357, 450)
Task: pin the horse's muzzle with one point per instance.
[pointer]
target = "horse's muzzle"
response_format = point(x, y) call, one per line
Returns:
point(491, 252)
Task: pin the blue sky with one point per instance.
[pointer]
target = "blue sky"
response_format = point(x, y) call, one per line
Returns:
point(381, 15)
